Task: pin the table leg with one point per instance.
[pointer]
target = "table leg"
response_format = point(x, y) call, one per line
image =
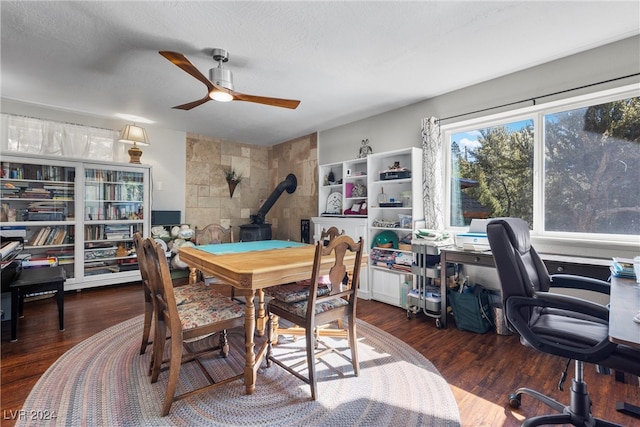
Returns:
point(193, 275)
point(261, 321)
point(250, 358)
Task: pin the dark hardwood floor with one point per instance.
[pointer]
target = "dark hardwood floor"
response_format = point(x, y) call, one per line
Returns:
point(481, 369)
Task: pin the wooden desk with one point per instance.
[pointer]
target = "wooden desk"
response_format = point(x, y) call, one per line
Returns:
point(589, 267)
point(457, 256)
point(624, 305)
point(254, 271)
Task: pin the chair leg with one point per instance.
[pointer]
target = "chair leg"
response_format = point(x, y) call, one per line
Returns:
point(269, 339)
point(158, 349)
point(174, 373)
point(353, 343)
point(311, 360)
point(60, 301)
point(578, 413)
point(274, 320)
point(148, 316)
point(224, 343)
point(15, 300)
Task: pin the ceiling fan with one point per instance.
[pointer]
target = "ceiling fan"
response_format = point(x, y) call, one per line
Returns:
point(220, 83)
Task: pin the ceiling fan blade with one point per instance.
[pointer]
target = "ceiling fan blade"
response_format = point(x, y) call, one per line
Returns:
point(183, 63)
point(193, 104)
point(276, 102)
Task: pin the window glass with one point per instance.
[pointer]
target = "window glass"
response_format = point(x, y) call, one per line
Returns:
point(492, 173)
point(592, 169)
point(35, 136)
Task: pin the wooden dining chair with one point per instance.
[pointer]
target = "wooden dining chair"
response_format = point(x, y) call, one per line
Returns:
point(299, 291)
point(209, 235)
point(212, 233)
point(337, 304)
point(209, 313)
point(183, 293)
point(327, 235)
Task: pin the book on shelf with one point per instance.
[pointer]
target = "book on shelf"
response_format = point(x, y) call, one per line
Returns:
point(61, 237)
point(35, 193)
point(40, 262)
point(118, 236)
point(64, 255)
point(42, 235)
point(36, 237)
point(13, 231)
point(623, 267)
point(51, 236)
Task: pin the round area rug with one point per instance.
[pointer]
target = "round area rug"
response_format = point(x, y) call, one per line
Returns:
point(103, 382)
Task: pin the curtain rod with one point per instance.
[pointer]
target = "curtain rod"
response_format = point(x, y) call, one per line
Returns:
point(538, 97)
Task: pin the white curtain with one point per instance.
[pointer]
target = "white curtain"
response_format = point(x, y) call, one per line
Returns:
point(432, 187)
point(27, 135)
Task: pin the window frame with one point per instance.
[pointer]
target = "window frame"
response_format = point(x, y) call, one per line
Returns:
point(536, 113)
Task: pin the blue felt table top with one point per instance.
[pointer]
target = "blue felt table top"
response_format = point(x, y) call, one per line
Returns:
point(239, 247)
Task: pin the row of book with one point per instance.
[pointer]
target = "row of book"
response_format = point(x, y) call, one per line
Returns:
point(117, 211)
point(113, 176)
point(38, 172)
point(114, 192)
point(49, 236)
point(110, 232)
point(57, 193)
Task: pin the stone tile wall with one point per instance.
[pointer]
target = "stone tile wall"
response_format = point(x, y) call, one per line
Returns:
point(262, 168)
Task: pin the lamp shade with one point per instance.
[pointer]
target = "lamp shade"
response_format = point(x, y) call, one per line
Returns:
point(132, 134)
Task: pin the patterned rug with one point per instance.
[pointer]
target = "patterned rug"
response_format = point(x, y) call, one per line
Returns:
point(103, 382)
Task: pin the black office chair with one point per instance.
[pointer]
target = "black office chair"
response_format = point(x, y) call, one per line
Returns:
point(556, 324)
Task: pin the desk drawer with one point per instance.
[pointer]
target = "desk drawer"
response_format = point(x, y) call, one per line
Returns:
point(470, 258)
point(561, 267)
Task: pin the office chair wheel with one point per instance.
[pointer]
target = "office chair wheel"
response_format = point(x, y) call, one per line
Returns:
point(515, 401)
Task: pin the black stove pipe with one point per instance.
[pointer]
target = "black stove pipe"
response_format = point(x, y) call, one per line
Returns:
point(290, 184)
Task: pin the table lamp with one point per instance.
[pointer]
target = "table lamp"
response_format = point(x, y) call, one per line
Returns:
point(132, 134)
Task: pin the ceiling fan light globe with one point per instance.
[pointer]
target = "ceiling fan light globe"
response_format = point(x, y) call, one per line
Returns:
point(220, 96)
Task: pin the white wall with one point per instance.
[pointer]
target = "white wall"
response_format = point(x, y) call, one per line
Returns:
point(401, 128)
point(166, 154)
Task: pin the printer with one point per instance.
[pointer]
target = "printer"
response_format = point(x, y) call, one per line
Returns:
point(476, 238)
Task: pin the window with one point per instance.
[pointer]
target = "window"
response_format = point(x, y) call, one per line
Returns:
point(28, 135)
point(492, 173)
point(592, 169)
point(569, 168)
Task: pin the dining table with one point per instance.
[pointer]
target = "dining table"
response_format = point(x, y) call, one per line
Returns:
point(252, 267)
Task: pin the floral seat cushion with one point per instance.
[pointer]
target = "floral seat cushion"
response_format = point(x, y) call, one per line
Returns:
point(208, 309)
point(299, 308)
point(298, 291)
point(194, 292)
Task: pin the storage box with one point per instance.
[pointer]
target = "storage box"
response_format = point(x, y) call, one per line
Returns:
point(430, 302)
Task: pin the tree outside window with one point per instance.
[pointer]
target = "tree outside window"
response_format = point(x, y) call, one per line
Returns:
point(492, 173)
point(592, 169)
point(590, 177)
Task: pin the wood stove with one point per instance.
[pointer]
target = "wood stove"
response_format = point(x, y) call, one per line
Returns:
point(258, 229)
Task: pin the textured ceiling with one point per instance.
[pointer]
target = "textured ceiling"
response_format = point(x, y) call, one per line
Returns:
point(344, 60)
